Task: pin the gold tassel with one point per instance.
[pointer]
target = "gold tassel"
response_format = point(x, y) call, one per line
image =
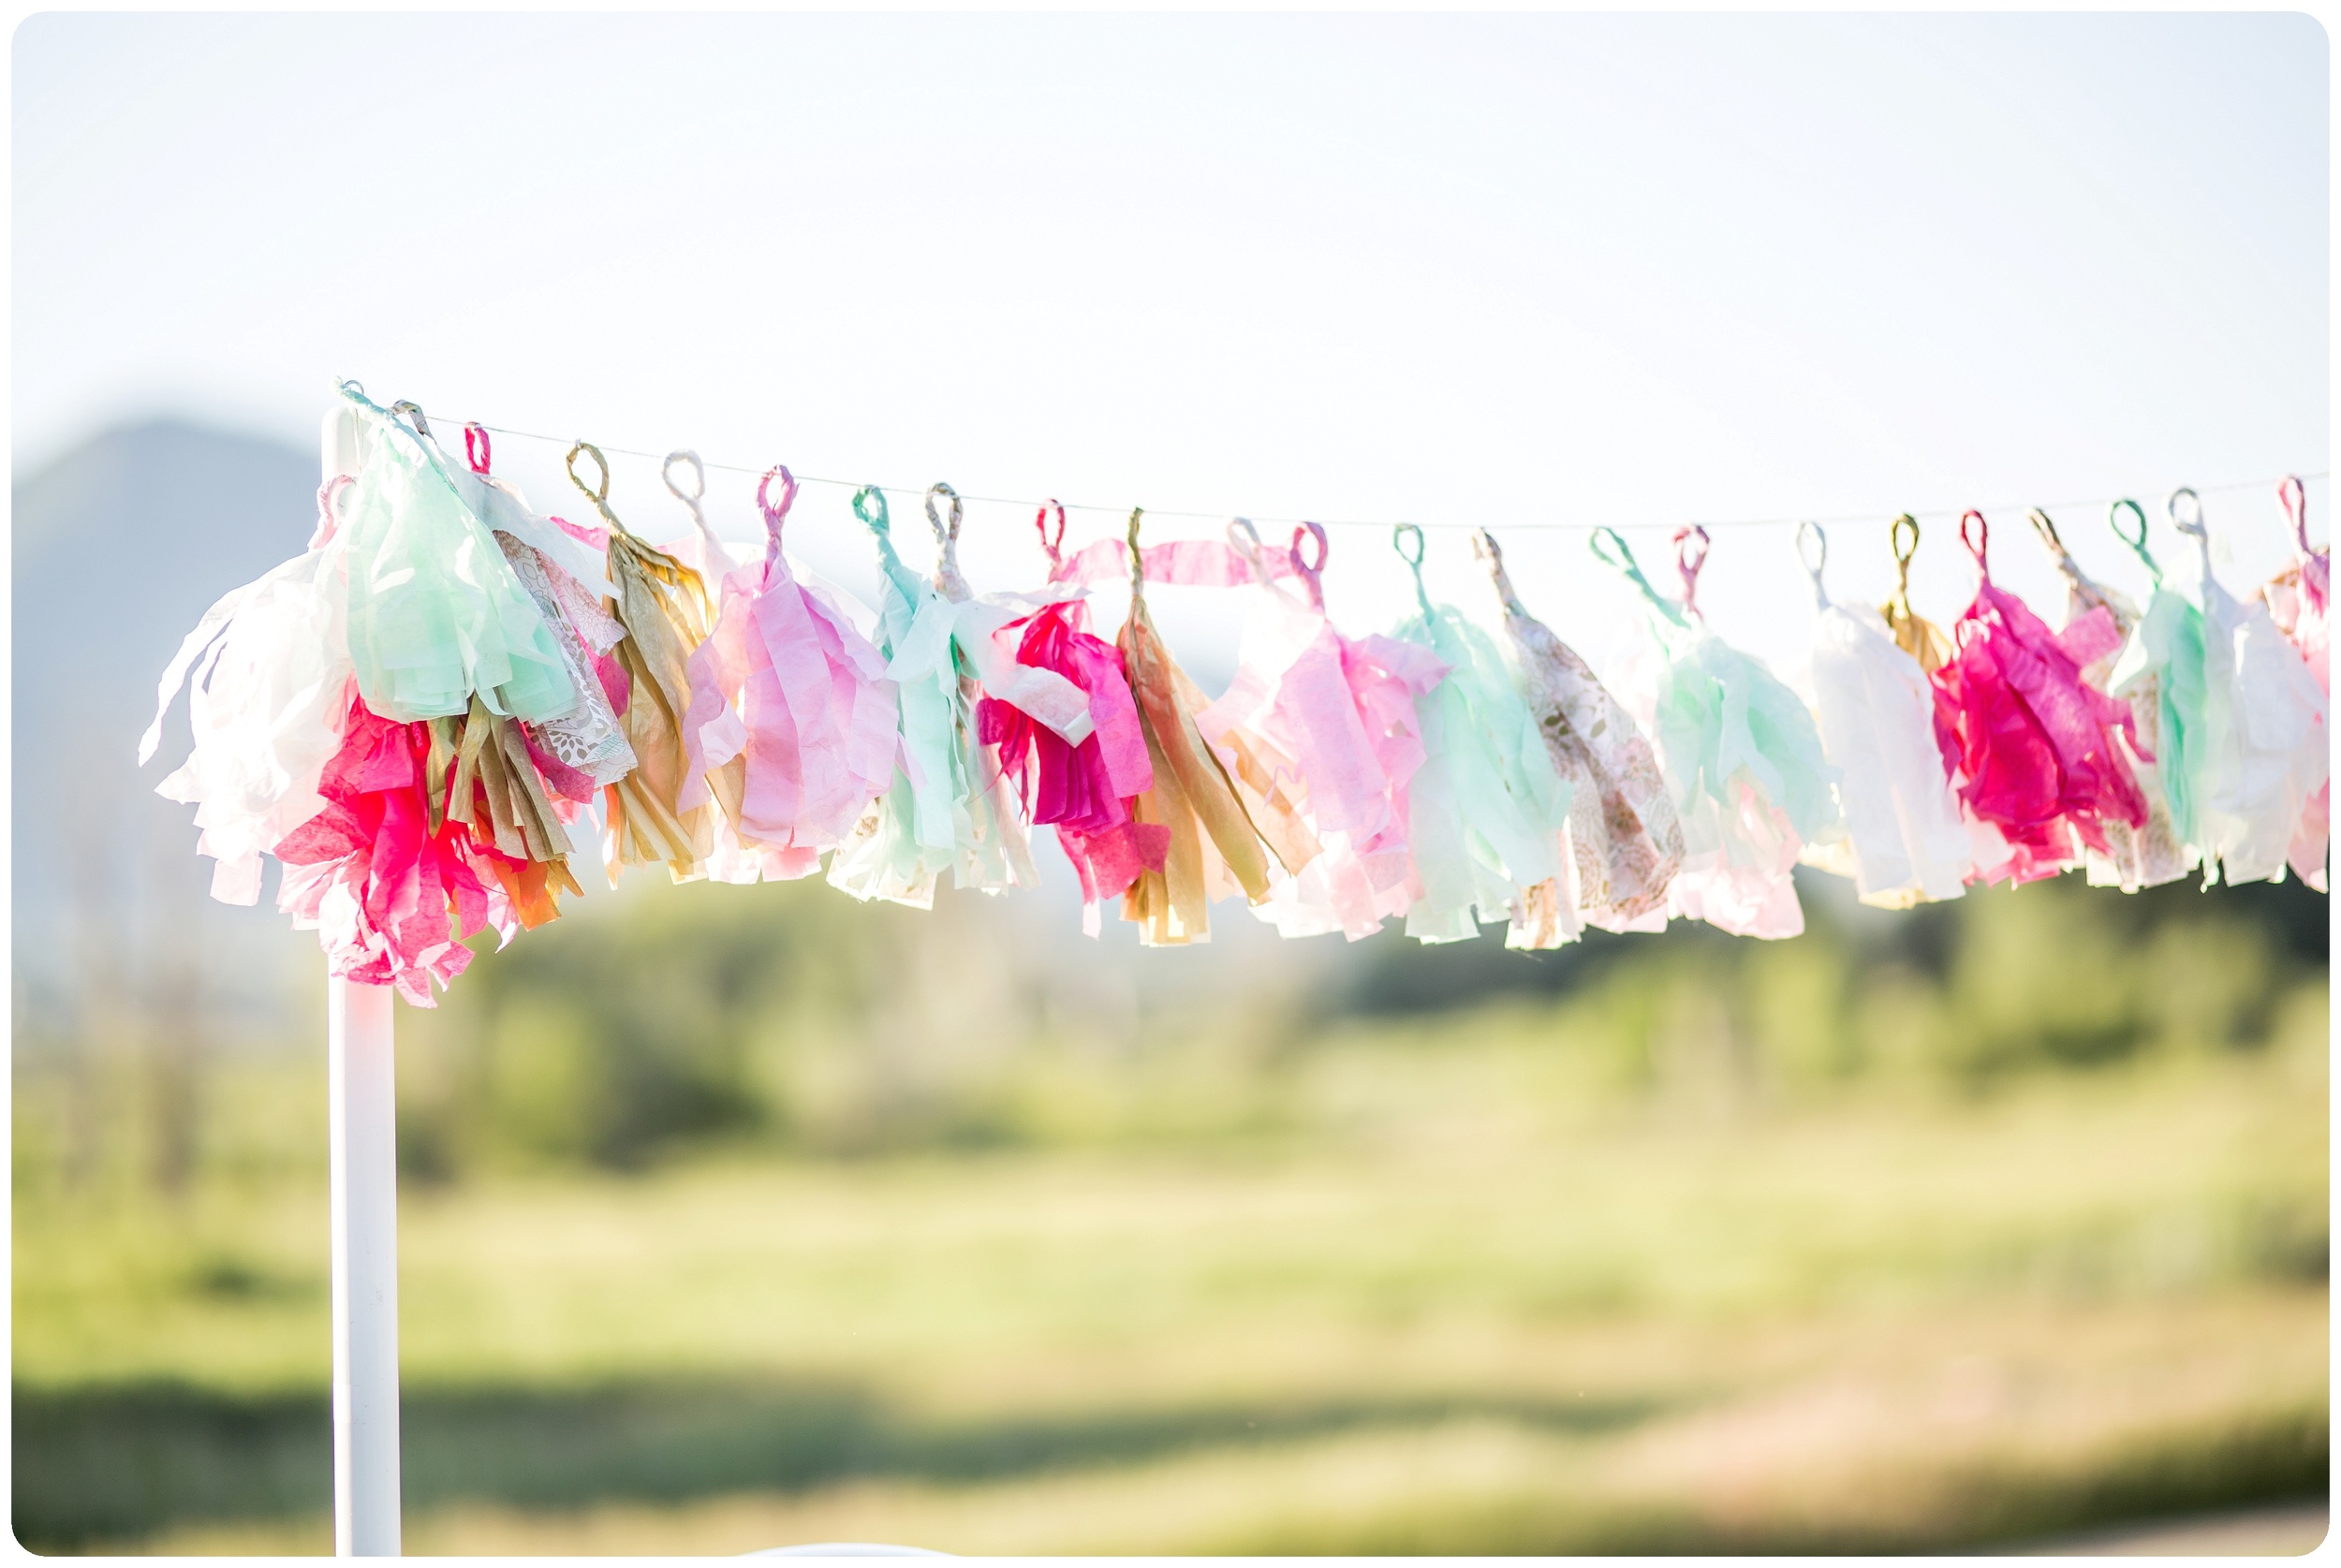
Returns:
point(1191, 791)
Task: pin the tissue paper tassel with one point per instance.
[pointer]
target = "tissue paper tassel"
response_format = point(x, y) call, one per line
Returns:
point(793, 701)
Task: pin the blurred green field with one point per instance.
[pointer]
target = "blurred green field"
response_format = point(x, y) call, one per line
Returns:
point(1623, 1268)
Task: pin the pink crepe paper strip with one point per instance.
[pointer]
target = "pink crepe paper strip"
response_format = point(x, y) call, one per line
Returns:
point(788, 683)
point(2030, 745)
point(1187, 562)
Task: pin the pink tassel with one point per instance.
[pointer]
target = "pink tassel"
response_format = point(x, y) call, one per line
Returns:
point(387, 894)
point(788, 683)
point(1084, 791)
point(2029, 745)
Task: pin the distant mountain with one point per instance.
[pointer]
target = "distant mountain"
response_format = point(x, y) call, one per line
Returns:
point(119, 547)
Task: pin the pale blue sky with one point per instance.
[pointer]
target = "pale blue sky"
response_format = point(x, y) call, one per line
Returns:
point(1513, 269)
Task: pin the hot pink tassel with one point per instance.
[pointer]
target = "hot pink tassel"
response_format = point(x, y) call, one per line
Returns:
point(1084, 791)
point(388, 895)
point(2029, 745)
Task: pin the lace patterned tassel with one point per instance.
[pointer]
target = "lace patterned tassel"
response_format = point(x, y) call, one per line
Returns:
point(1624, 842)
point(1485, 812)
point(568, 576)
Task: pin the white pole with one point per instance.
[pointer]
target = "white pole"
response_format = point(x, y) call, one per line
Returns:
point(361, 1106)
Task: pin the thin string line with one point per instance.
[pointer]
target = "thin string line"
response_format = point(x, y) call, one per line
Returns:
point(1368, 522)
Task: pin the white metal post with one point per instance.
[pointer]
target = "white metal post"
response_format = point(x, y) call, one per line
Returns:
point(361, 1106)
